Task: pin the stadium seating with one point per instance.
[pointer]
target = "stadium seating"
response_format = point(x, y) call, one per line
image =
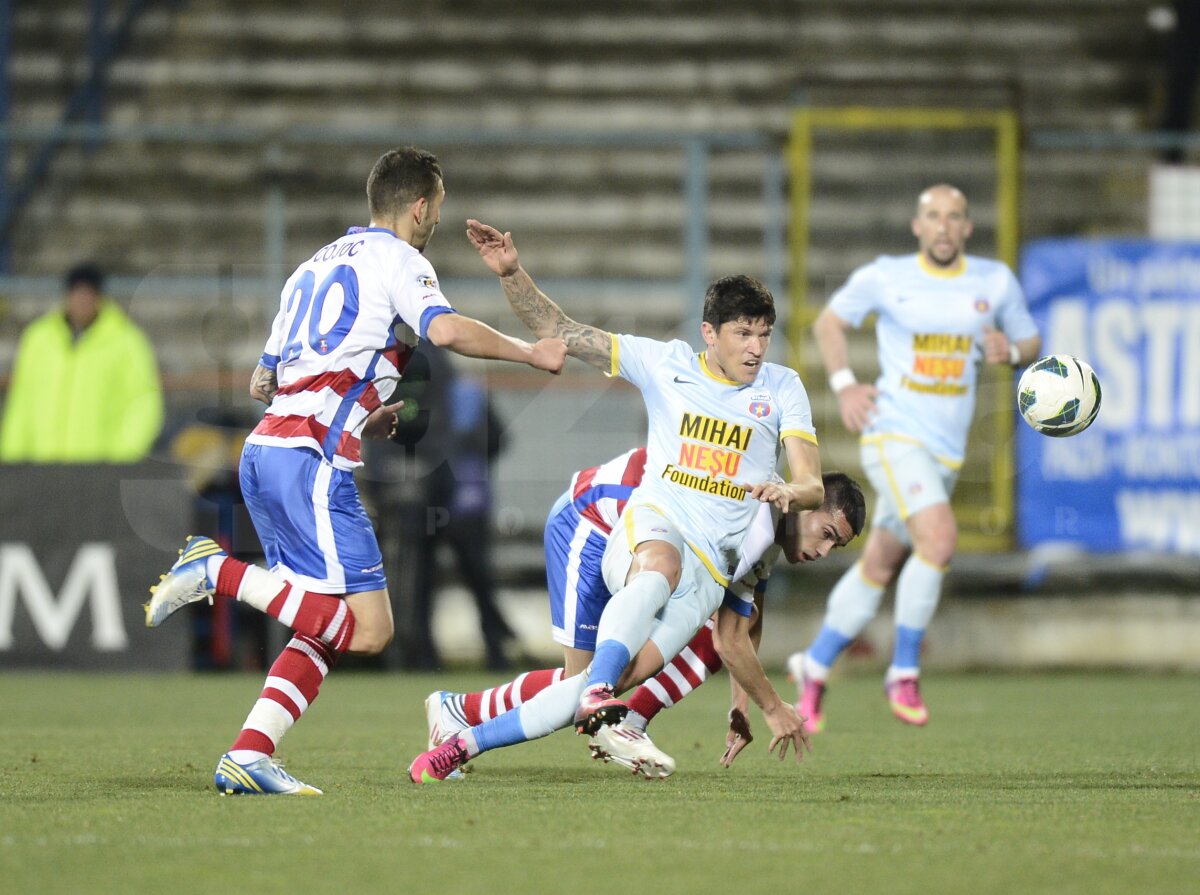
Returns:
point(584, 212)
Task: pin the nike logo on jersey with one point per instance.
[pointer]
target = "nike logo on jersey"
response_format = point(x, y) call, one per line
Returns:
point(685, 381)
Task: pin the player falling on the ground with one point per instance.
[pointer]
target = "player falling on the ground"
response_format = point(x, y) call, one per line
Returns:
point(941, 314)
point(332, 347)
point(575, 536)
point(716, 421)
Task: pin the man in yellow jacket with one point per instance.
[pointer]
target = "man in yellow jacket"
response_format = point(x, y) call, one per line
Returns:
point(84, 386)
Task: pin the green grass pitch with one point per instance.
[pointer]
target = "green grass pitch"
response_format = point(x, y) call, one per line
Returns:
point(1056, 783)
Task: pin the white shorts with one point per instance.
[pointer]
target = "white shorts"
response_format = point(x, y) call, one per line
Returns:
point(698, 595)
point(907, 478)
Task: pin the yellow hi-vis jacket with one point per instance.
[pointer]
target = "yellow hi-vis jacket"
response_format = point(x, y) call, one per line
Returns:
point(92, 400)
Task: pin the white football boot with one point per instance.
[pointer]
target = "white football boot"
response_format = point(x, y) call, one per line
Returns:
point(632, 748)
point(440, 727)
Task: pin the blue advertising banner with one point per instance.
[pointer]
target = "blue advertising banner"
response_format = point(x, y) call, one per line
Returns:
point(1132, 481)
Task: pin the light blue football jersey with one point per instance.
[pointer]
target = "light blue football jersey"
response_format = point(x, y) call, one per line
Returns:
point(708, 436)
point(929, 333)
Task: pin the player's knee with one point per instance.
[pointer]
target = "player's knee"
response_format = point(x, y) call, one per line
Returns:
point(937, 546)
point(669, 571)
point(371, 640)
point(880, 571)
point(667, 566)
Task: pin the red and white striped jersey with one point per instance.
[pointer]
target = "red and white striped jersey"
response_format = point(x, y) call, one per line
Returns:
point(600, 492)
point(333, 347)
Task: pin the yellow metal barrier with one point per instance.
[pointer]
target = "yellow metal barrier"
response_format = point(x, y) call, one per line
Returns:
point(996, 532)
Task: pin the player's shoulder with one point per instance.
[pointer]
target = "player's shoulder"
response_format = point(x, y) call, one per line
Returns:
point(882, 268)
point(995, 274)
point(987, 266)
point(384, 244)
point(673, 348)
point(378, 243)
point(776, 376)
point(400, 264)
point(888, 263)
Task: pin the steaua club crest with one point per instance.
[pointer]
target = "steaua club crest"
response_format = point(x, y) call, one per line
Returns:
point(760, 409)
point(982, 305)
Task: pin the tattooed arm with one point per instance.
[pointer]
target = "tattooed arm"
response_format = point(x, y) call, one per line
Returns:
point(263, 384)
point(543, 317)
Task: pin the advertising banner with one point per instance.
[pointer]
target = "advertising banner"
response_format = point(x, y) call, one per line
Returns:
point(79, 548)
point(1131, 482)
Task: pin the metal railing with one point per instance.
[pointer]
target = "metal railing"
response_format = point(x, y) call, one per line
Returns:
point(696, 150)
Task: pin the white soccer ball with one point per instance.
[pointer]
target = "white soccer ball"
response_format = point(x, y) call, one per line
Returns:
point(1059, 395)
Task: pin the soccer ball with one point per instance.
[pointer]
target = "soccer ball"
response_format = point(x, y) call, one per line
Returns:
point(1059, 395)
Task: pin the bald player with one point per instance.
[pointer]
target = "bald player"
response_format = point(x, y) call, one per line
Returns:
point(941, 314)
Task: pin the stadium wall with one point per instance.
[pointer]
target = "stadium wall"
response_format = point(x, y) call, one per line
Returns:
point(1129, 628)
point(72, 583)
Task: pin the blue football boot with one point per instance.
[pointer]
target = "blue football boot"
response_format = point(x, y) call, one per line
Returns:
point(264, 777)
point(186, 582)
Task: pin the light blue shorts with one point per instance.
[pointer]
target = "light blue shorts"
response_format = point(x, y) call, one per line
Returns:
point(698, 595)
point(907, 478)
point(312, 525)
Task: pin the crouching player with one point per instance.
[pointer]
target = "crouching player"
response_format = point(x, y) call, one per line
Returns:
point(718, 419)
point(575, 536)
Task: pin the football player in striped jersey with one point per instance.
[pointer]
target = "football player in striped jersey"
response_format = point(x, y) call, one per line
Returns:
point(330, 362)
point(575, 536)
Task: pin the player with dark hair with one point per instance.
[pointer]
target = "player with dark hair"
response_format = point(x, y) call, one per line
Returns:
point(717, 419)
point(575, 536)
point(331, 358)
point(942, 314)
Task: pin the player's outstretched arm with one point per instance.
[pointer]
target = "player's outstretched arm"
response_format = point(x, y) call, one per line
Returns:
point(804, 473)
point(533, 307)
point(473, 338)
point(263, 384)
point(739, 736)
point(804, 491)
point(731, 637)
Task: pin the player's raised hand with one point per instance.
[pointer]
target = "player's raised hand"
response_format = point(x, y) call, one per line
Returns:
point(787, 728)
point(995, 346)
point(857, 405)
point(495, 248)
point(738, 738)
point(549, 355)
point(382, 421)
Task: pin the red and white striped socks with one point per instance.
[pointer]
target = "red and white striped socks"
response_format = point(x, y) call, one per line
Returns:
point(322, 616)
point(469, 709)
point(679, 677)
point(683, 674)
point(291, 686)
point(324, 627)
